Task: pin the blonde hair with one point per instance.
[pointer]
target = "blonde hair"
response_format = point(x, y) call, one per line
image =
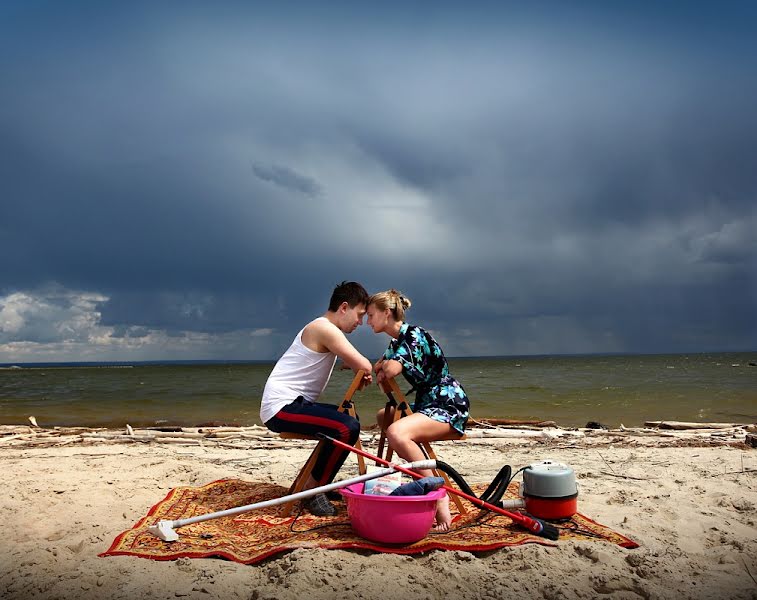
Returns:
point(393, 300)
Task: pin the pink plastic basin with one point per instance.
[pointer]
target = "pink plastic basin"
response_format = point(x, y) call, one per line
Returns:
point(390, 519)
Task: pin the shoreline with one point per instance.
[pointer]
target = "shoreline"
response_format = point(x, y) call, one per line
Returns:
point(655, 433)
point(689, 502)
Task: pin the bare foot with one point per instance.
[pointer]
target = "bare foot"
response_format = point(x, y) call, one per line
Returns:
point(443, 517)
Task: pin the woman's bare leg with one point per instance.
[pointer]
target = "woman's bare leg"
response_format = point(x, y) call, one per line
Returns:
point(405, 434)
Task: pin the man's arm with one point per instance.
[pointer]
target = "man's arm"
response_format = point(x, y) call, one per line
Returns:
point(332, 338)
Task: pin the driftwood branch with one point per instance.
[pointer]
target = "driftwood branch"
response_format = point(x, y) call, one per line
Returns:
point(496, 422)
point(686, 425)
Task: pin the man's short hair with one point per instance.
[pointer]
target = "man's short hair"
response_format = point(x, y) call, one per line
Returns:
point(350, 292)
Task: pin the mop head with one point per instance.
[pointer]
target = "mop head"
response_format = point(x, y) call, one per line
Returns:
point(164, 530)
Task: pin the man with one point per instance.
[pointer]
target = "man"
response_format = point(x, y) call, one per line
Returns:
point(302, 373)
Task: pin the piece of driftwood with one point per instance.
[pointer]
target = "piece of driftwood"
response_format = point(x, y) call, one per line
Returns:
point(116, 436)
point(639, 433)
point(165, 428)
point(685, 425)
point(491, 421)
point(22, 436)
point(171, 434)
point(504, 433)
point(175, 440)
point(15, 429)
point(221, 428)
point(104, 442)
point(223, 434)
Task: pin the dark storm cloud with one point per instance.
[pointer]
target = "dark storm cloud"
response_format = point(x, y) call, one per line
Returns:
point(536, 179)
point(287, 179)
point(191, 311)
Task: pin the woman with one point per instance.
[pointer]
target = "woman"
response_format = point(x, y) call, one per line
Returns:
point(441, 407)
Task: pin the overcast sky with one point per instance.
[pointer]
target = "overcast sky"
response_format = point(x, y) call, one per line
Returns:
point(189, 180)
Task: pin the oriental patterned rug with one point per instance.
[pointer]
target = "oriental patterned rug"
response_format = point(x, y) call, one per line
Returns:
point(256, 535)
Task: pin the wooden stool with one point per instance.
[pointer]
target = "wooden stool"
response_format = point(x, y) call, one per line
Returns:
point(298, 484)
point(397, 400)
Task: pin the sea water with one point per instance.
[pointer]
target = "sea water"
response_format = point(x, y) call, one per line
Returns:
point(570, 390)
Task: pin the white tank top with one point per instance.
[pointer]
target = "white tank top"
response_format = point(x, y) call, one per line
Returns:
point(299, 372)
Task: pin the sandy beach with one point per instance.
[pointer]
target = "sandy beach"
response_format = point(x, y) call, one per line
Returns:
point(689, 502)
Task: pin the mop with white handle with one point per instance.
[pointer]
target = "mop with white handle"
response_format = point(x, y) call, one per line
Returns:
point(165, 530)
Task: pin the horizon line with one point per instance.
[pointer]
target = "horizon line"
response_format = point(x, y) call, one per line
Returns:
point(227, 361)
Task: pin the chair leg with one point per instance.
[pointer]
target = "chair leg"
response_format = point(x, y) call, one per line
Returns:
point(348, 406)
point(360, 460)
point(398, 411)
point(299, 482)
point(384, 426)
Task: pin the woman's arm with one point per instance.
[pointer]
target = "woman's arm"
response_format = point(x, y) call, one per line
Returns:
point(385, 369)
point(391, 368)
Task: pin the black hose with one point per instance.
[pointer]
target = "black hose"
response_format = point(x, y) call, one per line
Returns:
point(493, 494)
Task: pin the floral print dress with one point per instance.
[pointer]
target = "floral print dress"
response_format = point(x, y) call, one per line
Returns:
point(437, 394)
